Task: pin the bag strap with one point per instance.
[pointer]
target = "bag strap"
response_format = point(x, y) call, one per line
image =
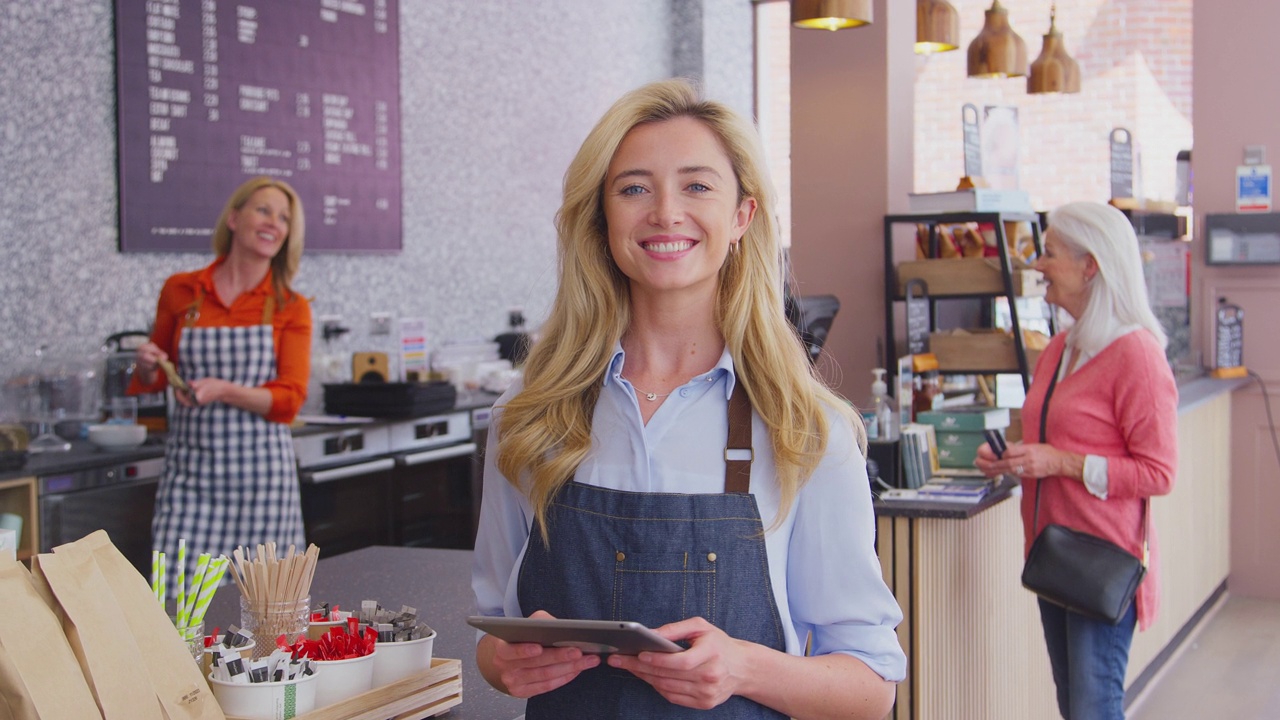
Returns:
point(1044, 419)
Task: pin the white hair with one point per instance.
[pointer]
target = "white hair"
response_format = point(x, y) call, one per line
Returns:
point(1117, 294)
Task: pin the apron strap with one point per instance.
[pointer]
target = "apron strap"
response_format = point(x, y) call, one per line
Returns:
point(268, 308)
point(737, 452)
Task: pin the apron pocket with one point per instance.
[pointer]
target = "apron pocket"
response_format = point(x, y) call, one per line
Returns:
point(659, 588)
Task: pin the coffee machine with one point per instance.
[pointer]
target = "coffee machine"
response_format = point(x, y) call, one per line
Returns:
point(153, 411)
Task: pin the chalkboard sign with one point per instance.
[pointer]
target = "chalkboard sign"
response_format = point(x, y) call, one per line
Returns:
point(918, 317)
point(972, 140)
point(1121, 163)
point(212, 92)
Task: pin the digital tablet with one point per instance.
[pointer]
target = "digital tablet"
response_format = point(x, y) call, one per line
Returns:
point(600, 637)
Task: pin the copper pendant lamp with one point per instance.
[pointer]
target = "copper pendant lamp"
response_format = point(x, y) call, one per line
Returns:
point(997, 52)
point(937, 27)
point(830, 14)
point(1054, 71)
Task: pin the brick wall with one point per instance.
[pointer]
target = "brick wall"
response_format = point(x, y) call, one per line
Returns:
point(1135, 68)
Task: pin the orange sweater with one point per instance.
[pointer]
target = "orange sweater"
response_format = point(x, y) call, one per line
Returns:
point(292, 331)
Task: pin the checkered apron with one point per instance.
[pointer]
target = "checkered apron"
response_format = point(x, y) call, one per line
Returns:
point(230, 475)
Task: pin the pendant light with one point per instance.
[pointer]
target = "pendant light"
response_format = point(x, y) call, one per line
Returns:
point(997, 52)
point(830, 14)
point(937, 27)
point(1054, 71)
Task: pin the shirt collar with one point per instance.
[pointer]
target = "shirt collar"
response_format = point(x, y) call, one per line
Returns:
point(205, 279)
point(724, 366)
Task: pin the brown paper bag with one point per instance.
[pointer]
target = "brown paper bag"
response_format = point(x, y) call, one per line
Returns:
point(92, 621)
point(39, 675)
point(175, 676)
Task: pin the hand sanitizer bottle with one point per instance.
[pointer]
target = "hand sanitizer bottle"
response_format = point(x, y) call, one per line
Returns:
point(882, 407)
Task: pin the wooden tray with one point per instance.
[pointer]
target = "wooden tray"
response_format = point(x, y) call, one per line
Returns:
point(424, 695)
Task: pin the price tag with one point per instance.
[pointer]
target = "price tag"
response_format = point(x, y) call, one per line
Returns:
point(1121, 163)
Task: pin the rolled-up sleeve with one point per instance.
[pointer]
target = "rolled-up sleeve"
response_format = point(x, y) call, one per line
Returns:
point(836, 588)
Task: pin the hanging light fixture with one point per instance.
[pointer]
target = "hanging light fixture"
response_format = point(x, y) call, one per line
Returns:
point(830, 14)
point(997, 52)
point(937, 27)
point(1054, 71)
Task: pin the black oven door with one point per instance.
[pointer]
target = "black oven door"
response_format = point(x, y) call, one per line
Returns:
point(124, 510)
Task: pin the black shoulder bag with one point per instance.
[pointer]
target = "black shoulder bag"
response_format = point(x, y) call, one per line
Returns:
point(1078, 571)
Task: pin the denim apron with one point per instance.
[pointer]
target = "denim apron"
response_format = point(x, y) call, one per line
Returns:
point(655, 558)
point(230, 475)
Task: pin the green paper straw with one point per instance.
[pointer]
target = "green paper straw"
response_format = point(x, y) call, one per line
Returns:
point(212, 577)
point(163, 572)
point(155, 575)
point(202, 566)
point(181, 608)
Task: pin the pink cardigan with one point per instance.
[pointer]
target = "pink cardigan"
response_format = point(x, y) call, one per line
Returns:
point(1121, 405)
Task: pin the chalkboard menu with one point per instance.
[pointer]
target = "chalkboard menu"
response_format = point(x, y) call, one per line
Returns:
point(213, 92)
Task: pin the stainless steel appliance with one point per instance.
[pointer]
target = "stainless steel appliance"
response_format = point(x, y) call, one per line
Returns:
point(118, 498)
point(406, 483)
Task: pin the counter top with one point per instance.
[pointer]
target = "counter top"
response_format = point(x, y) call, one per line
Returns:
point(436, 582)
point(84, 455)
point(946, 510)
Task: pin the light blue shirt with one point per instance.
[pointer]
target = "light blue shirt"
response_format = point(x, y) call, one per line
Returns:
point(823, 567)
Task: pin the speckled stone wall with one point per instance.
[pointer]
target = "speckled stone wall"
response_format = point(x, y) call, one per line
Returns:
point(496, 96)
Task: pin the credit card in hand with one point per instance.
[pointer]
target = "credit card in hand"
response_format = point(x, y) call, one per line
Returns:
point(996, 440)
point(175, 379)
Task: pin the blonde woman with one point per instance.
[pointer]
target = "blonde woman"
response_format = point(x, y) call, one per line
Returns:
point(240, 338)
point(610, 489)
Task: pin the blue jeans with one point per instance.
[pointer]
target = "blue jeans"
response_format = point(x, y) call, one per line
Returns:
point(1089, 658)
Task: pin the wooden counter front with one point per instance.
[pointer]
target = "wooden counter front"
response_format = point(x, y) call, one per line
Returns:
point(972, 634)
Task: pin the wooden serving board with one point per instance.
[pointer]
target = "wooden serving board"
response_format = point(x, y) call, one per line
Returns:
point(419, 696)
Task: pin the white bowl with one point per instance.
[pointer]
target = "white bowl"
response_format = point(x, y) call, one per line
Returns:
point(112, 436)
point(342, 679)
point(397, 660)
point(266, 701)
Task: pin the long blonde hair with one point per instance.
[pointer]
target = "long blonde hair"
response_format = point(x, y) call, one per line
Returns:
point(545, 430)
point(285, 263)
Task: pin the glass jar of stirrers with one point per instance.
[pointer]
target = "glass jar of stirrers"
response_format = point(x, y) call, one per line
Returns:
point(275, 594)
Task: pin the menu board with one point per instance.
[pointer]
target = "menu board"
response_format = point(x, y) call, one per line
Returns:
point(214, 92)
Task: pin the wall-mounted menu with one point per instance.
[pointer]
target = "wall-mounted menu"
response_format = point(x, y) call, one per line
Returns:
point(213, 92)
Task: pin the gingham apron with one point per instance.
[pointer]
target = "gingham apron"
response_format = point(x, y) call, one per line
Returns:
point(230, 475)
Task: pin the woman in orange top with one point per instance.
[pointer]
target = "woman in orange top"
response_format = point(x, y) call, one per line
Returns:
point(241, 341)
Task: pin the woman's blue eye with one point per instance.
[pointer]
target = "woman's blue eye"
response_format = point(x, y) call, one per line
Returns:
point(631, 190)
point(699, 187)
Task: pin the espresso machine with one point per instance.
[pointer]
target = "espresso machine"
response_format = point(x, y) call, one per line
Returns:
point(153, 410)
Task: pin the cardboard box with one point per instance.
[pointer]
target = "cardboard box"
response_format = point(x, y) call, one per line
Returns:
point(978, 350)
point(959, 449)
point(970, 276)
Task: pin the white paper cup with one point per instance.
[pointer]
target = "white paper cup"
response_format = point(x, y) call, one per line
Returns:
point(317, 628)
point(342, 679)
point(246, 652)
point(267, 701)
point(397, 660)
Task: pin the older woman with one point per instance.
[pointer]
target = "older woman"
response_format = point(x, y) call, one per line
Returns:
point(241, 340)
point(1109, 441)
point(609, 491)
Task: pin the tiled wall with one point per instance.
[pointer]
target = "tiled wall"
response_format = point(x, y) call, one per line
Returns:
point(496, 96)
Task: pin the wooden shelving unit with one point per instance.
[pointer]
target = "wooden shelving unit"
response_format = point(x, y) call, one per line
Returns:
point(1010, 285)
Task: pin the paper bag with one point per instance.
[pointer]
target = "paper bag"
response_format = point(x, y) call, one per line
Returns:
point(166, 662)
point(39, 675)
point(91, 620)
